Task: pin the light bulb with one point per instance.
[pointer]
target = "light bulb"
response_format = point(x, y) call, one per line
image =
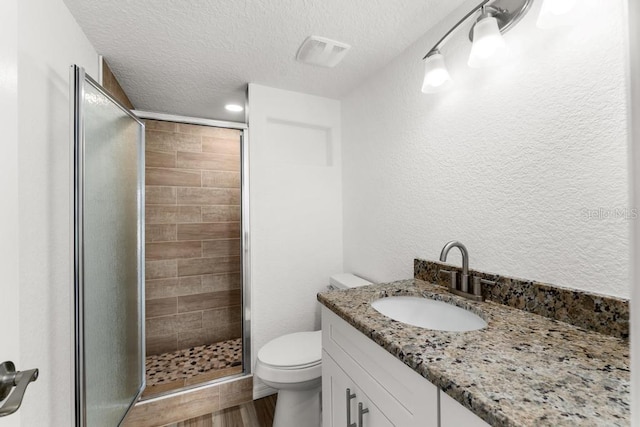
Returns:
point(553, 13)
point(488, 44)
point(436, 76)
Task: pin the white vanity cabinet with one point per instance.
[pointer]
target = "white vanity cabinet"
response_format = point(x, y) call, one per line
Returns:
point(453, 414)
point(391, 393)
point(353, 406)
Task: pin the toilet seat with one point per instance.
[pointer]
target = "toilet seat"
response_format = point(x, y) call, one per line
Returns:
point(293, 351)
point(294, 367)
point(291, 358)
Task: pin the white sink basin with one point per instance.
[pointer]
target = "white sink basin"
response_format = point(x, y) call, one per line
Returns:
point(428, 313)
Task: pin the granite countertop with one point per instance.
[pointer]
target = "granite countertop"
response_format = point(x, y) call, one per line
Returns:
point(521, 370)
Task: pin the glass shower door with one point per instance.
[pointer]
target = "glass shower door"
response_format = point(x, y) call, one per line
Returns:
point(108, 254)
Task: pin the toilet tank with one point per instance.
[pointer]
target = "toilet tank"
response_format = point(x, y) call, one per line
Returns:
point(346, 281)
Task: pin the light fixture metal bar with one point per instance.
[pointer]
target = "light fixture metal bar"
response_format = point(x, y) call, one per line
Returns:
point(444, 38)
point(507, 12)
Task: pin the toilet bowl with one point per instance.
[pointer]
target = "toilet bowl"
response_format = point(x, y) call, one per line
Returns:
point(292, 365)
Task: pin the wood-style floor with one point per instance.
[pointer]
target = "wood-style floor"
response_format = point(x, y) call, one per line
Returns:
point(258, 413)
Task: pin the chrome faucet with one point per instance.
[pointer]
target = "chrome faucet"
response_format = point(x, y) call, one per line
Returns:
point(464, 291)
point(464, 283)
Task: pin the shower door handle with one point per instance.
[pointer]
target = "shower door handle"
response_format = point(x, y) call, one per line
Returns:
point(9, 378)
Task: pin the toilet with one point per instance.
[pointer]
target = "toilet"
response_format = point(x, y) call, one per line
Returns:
point(292, 364)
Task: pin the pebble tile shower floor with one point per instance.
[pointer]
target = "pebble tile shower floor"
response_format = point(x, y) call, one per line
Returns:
point(171, 371)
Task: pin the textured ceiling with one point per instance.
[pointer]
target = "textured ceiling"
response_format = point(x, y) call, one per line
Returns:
point(192, 57)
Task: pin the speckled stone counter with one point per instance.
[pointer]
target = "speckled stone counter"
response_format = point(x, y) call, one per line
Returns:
point(521, 370)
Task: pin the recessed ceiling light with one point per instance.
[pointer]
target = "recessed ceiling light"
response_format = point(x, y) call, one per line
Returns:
point(234, 107)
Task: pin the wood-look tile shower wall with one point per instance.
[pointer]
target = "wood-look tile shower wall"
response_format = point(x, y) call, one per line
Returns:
point(193, 264)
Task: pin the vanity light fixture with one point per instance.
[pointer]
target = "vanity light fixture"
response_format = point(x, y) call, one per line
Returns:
point(436, 75)
point(234, 108)
point(496, 17)
point(488, 44)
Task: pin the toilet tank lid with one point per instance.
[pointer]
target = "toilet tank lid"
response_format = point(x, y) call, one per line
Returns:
point(347, 280)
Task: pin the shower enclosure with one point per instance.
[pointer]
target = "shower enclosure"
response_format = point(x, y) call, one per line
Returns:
point(161, 268)
point(108, 159)
point(194, 252)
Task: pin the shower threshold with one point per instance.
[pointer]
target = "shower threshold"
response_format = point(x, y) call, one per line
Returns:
point(167, 372)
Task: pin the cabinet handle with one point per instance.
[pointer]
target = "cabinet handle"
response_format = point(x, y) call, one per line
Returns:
point(349, 397)
point(361, 412)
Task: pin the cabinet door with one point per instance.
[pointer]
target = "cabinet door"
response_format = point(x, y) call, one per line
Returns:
point(339, 410)
point(405, 398)
point(453, 414)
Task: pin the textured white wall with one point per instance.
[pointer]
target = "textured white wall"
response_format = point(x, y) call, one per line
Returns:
point(49, 41)
point(295, 210)
point(507, 161)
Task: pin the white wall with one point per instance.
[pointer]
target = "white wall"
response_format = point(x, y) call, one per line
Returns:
point(507, 161)
point(296, 210)
point(49, 41)
point(9, 243)
point(634, 33)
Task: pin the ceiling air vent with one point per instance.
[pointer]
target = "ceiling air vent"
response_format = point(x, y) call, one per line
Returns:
point(322, 51)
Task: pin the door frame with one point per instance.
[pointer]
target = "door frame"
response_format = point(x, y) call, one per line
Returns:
point(633, 8)
point(10, 193)
point(244, 192)
point(189, 120)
